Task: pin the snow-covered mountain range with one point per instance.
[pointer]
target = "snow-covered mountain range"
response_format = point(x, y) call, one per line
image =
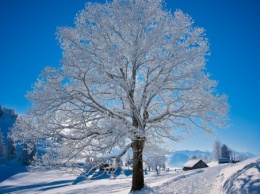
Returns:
point(178, 158)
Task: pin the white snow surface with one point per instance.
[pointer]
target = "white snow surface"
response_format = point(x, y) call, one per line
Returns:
point(243, 177)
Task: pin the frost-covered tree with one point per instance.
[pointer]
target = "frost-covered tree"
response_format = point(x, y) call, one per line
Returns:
point(155, 157)
point(1, 110)
point(216, 153)
point(225, 151)
point(241, 157)
point(156, 162)
point(10, 148)
point(28, 153)
point(1, 143)
point(12, 113)
point(128, 159)
point(132, 74)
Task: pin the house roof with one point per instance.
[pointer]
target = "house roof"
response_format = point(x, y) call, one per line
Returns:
point(191, 163)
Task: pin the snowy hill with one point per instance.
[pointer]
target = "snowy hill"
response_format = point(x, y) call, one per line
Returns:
point(242, 177)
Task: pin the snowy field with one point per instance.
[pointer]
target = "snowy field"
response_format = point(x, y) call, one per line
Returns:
point(243, 177)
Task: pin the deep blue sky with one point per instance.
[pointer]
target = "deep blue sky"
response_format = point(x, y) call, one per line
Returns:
point(28, 44)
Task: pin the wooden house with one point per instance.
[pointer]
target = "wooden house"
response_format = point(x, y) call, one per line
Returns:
point(194, 164)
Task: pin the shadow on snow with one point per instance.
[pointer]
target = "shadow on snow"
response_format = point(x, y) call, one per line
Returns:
point(99, 174)
point(46, 186)
point(10, 169)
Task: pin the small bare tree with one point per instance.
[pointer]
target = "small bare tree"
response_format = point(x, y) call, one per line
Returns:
point(216, 153)
point(132, 74)
point(156, 162)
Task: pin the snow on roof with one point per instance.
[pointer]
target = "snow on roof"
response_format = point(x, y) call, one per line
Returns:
point(191, 163)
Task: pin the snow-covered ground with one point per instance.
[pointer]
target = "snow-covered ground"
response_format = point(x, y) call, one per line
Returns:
point(242, 177)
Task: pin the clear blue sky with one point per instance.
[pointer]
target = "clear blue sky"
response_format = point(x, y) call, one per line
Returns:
point(28, 44)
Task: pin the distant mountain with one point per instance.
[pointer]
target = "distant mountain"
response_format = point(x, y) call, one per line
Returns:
point(178, 158)
point(242, 155)
point(191, 153)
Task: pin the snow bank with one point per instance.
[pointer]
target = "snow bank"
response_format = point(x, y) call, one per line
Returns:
point(211, 164)
point(243, 177)
point(36, 182)
point(145, 190)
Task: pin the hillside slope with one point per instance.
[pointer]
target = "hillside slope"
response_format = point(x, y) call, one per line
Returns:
point(242, 177)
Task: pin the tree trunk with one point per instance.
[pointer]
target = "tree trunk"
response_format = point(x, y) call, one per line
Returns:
point(138, 174)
